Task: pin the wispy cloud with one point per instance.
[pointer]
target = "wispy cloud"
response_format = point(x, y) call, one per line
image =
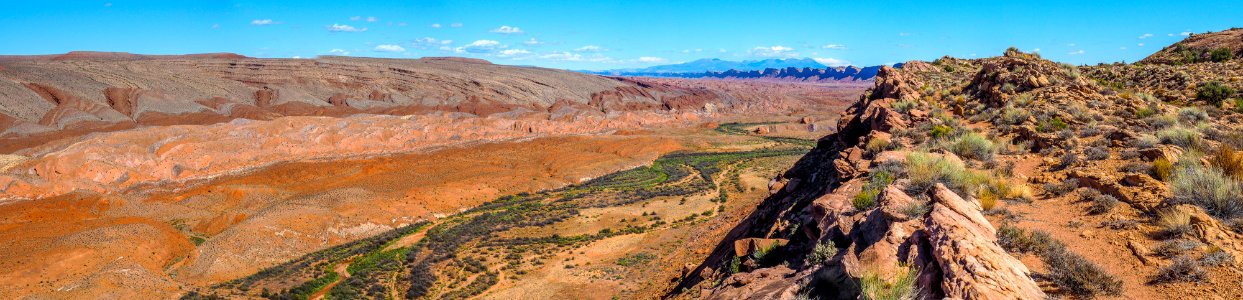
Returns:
point(506, 29)
point(513, 53)
point(652, 59)
point(1144, 36)
point(263, 22)
point(436, 25)
point(533, 42)
point(341, 52)
point(563, 56)
point(430, 42)
point(372, 19)
point(1185, 33)
point(1079, 52)
point(455, 25)
point(590, 49)
point(774, 51)
point(356, 18)
point(481, 46)
point(389, 48)
point(834, 47)
point(344, 28)
point(832, 62)
point(1140, 44)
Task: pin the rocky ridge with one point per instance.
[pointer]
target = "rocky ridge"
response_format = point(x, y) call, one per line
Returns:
point(867, 215)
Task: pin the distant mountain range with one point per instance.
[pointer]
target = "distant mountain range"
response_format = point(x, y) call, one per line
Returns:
point(804, 69)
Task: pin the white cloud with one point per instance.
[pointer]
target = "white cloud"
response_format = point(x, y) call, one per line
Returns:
point(430, 42)
point(344, 28)
point(505, 29)
point(1144, 36)
point(263, 22)
point(296, 57)
point(834, 47)
point(372, 19)
point(832, 62)
point(481, 46)
point(455, 25)
point(1079, 52)
point(1185, 33)
point(436, 25)
point(563, 56)
point(533, 42)
point(1140, 44)
point(1122, 48)
point(774, 51)
point(341, 52)
point(513, 53)
point(590, 48)
point(356, 18)
point(389, 48)
point(722, 50)
point(650, 59)
point(1035, 50)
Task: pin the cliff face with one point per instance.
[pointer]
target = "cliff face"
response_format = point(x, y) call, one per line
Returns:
point(906, 198)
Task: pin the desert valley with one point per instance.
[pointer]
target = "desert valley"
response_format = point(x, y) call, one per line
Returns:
point(1009, 176)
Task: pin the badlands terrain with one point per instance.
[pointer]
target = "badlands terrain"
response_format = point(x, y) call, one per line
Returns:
point(1010, 177)
point(131, 176)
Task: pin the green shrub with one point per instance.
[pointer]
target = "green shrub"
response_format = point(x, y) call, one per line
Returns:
point(865, 199)
point(1181, 136)
point(877, 145)
point(1145, 112)
point(1066, 269)
point(1221, 54)
point(1017, 240)
point(941, 131)
point(1208, 188)
point(1052, 125)
point(873, 287)
point(877, 182)
point(821, 253)
point(1213, 92)
point(1077, 274)
point(1192, 115)
point(1013, 116)
point(904, 106)
point(973, 146)
point(926, 170)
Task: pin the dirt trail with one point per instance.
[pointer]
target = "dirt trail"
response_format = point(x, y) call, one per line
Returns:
point(343, 271)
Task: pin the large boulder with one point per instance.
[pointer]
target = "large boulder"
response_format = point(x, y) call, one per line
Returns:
point(965, 246)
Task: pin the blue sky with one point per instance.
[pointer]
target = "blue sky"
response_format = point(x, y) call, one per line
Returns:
point(615, 34)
